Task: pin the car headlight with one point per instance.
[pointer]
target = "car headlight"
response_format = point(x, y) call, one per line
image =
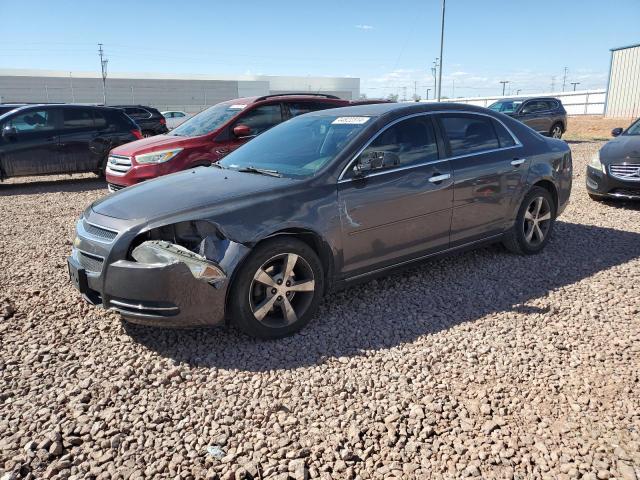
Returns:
point(596, 163)
point(158, 157)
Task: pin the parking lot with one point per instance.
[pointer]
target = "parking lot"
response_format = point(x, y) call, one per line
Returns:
point(485, 365)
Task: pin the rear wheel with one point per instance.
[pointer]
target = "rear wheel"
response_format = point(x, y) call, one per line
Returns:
point(556, 130)
point(534, 223)
point(278, 289)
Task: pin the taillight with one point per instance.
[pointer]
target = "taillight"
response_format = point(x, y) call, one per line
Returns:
point(163, 120)
point(137, 133)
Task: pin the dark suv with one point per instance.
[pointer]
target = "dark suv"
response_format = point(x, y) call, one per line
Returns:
point(53, 139)
point(7, 107)
point(545, 115)
point(150, 120)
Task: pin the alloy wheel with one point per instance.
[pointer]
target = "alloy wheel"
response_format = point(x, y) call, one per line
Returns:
point(537, 220)
point(556, 132)
point(282, 290)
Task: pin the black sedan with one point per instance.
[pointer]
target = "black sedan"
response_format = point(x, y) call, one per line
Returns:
point(614, 172)
point(318, 202)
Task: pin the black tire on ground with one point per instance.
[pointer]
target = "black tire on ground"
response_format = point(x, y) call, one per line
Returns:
point(282, 298)
point(537, 208)
point(102, 169)
point(556, 130)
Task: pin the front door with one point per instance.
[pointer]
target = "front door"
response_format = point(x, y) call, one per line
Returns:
point(488, 173)
point(258, 119)
point(534, 114)
point(399, 211)
point(31, 147)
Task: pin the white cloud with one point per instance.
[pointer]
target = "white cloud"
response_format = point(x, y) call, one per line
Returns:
point(364, 27)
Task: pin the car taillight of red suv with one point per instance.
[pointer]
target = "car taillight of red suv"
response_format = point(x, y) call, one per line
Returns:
point(208, 136)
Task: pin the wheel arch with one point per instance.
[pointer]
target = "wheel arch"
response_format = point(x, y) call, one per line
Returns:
point(550, 187)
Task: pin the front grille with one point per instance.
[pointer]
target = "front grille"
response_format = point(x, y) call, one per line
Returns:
point(90, 263)
point(630, 171)
point(112, 187)
point(96, 231)
point(118, 164)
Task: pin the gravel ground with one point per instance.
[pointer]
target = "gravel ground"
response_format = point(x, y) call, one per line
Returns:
point(484, 365)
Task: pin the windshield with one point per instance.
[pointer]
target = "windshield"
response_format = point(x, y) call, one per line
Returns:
point(297, 148)
point(507, 106)
point(208, 120)
point(634, 129)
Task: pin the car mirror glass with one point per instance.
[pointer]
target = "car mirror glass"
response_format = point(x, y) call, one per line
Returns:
point(242, 131)
point(375, 160)
point(616, 131)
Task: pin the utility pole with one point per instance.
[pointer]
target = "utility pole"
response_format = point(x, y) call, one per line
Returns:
point(518, 91)
point(103, 66)
point(441, 51)
point(73, 97)
point(434, 71)
point(404, 93)
point(504, 84)
point(428, 90)
point(574, 85)
point(553, 82)
point(564, 78)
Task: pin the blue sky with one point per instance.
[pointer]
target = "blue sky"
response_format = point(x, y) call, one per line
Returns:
point(389, 45)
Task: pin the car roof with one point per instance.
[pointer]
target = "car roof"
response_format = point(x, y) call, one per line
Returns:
point(380, 109)
point(283, 96)
point(521, 99)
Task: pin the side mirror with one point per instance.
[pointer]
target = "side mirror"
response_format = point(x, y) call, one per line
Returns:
point(616, 131)
point(10, 133)
point(375, 160)
point(242, 131)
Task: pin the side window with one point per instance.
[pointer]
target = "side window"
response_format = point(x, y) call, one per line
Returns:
point(505, 138)
point(534, 106)
point(137, 113)
point(178, 114)
point(261, 119)
point(76, 118)
point(32, 121)
point(469, 134)
point(551, 104)
point(99, 119)
point(168, 114)
point(413, 140)
point(300, 108)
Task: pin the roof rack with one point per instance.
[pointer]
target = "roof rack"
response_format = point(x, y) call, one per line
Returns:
point(306, 94)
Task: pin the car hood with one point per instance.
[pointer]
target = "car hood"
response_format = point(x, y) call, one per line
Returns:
point(185, 191)
point(149, 144)
point(622, 148)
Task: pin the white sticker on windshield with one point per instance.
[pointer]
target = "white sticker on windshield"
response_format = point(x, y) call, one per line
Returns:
point(239, 106)
point(350, 121)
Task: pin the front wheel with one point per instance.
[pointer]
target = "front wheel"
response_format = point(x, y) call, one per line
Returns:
point(556, 131)
point(278, 289)
point(534, 223)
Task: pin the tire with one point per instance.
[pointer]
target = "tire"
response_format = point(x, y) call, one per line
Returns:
point(102, 169)
point(596, 198)
point(261, 313)
point(556, 130)
point(147, 134)
point(523, 238)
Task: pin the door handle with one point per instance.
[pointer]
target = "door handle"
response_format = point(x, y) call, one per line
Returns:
point(440, 178)
point(516, 162)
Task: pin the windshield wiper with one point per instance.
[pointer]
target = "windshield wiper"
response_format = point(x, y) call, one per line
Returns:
point(218, 165)
point(262, 171)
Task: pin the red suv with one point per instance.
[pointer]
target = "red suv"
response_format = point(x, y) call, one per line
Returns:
point(208, 136)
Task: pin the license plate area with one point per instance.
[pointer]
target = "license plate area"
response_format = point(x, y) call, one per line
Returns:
point(78, 278)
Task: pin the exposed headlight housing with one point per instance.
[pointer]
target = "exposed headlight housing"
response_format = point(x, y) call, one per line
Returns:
point(596, 164)
point(158, 157)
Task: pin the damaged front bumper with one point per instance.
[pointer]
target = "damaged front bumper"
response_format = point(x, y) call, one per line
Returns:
point(159, 291)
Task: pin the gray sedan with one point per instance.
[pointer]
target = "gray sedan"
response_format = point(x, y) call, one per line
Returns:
point(321, 201)
point(614, 172)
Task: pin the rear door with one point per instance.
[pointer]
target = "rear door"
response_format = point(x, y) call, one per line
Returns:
point(33, 150)
point(398, 212)
point(488, 173)
point(76, 138)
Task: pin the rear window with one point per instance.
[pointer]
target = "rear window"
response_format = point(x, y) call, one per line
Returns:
point(75, 118)
point(469, 134)
point(505, 138)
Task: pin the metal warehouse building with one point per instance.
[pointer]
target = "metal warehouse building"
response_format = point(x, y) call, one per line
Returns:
point(623, 92)
point(191, 93)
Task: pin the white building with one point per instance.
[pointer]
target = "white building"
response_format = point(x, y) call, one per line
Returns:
point(191, 93)
point(623, 91)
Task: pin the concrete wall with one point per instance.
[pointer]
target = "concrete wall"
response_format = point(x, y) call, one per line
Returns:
point(165, 92)
point(585, 102)
point(623, 99)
